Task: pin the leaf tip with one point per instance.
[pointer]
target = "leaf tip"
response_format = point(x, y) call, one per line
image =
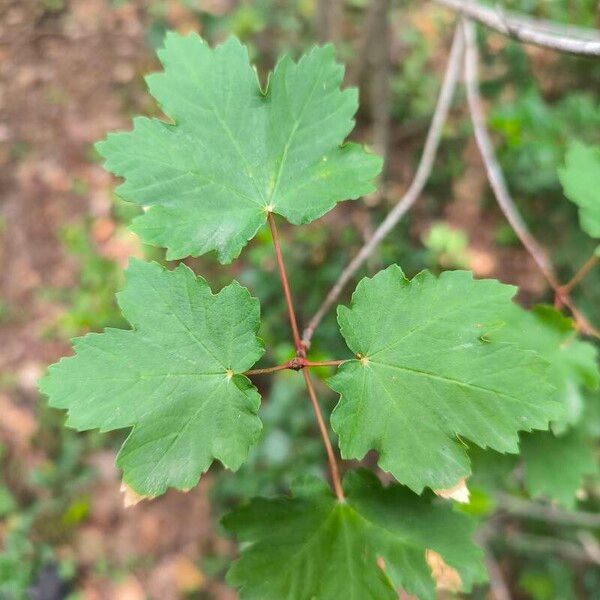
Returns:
point(130, 496)
point(458, 492)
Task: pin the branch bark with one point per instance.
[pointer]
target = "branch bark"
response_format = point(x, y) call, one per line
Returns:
point(587, 266)
point(498, 585)
point(412, 194)
point(568, 39)
point(536, 544)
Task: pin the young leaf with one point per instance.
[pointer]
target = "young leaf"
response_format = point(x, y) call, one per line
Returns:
point(580, 178)
point(175, 378)
point(236, 151)
point(555, 465)
point(573, 363)
point(312, 546)
point(427, 376)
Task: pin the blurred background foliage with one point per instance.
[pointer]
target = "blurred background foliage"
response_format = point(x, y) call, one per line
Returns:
point(73, 69)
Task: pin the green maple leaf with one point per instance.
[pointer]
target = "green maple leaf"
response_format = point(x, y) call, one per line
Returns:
point(555, 465)
point(313, 547)
point(492, 471)
point(573, 363)
point(237, 151)
point(428, 377)
point(175, 378)
point(580, 178)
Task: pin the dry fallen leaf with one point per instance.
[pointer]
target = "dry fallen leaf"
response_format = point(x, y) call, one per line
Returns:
point(459, 492)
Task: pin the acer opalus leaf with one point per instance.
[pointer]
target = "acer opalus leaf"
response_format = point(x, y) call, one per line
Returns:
point(580, 179)
point(175, 378)
point(367, 548)
point(236, 151)
point(556, 464)
point(573, 362)
point(427, 378)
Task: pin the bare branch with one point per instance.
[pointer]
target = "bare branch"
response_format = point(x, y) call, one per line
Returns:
point(544, 512)
point(498, 585)
point(569, 39)
point(498, 183)
point(412, 194)
point(527, 544)
point(587, 266)
point(494, 173)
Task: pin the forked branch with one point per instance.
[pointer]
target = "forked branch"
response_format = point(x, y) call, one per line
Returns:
point(568, 39)
point(300, 363)
point(587, 266)
point(498, 183)
point(537, 511)
point(430, 148)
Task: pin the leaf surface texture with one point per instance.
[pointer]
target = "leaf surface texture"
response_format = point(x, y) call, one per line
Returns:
point(175, 378)
point(428, 378)
point(235, 151)
point(313, 547)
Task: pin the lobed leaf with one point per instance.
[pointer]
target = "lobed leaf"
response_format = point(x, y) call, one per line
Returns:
point(235, 151)
point(312, 546)
point(427, 376)
point(175, 378)
point(573, 362)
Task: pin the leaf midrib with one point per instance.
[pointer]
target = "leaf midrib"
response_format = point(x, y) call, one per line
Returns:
point(449, 380)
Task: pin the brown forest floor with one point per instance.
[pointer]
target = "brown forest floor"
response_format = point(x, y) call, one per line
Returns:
point(66, 78)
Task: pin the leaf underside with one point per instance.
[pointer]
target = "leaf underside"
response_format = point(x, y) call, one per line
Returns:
point(236, 151)
point(175, 378)
point(428, 376)
point(312, 546)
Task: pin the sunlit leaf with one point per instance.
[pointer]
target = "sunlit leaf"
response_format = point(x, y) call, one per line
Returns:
point(175, 378)
point(426, 378)
point(236, 151)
